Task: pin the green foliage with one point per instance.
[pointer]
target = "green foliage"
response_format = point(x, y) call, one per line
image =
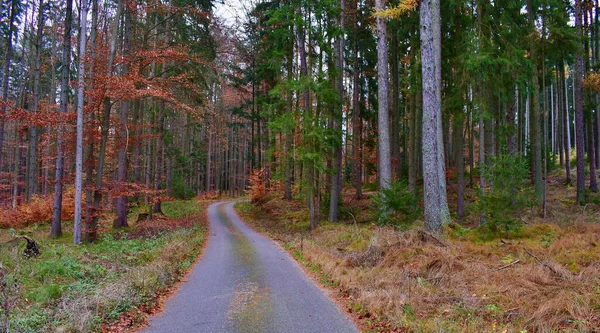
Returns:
point(396, 204)
point(507, 191)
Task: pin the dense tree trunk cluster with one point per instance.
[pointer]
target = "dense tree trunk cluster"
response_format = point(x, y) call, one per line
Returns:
point(159, 99)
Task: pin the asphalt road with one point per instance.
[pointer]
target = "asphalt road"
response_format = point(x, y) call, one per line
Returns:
point(246, 283)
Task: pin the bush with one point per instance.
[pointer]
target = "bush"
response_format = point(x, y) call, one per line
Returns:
point(37, 210)
point(507, 191)
point(396, 204)
point(257, 190)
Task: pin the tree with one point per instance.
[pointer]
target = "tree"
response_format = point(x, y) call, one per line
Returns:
point(579, 121)
point(383, 121)
point(56, 229)
point(434, 177)
point(79, 140)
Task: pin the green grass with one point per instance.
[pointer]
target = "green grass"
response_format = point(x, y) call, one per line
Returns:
point(78, 288)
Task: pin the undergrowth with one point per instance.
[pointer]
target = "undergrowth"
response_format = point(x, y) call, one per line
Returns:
point(543, 278)
point(80, 288)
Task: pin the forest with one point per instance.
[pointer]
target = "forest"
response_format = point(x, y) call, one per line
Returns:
point(455, 124)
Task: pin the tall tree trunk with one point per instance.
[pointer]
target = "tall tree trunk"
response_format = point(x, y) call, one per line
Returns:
point(434, 178)
point(7, 58)
point(56, 229)
point(356, 124)
point(459, 161)
point(395, 110)
point(383, 120)
point(336, 179)
point(79, 140)
point(289, 163)
point(122, 199)
point(534, 119)
point(579, 121)
point(32, 163)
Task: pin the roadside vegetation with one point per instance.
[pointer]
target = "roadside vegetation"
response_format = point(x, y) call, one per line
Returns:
point(517, 272)
point(109, 285)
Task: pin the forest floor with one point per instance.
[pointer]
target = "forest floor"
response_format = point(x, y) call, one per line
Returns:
point(543, 276)
point(107, 286)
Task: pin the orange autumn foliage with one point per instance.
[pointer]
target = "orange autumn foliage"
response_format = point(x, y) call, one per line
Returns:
point(257, 190)
point(37, 210)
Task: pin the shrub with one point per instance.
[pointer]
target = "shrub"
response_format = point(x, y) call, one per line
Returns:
point(37, 210)
point(507, 191)
point(257, 190)
point(396, 204)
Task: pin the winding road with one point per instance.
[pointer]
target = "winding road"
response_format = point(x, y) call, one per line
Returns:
point(244, 282)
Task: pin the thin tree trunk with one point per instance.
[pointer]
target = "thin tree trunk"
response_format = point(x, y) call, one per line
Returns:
point(459, 164)
point(8, 58)
point(579, 121)
point(32, 165)
point(356, 125)
point(383, 121)
point(534, 119)
point(79, 143)
point(56, 229)
point(122, 199)
point(89, 232)
point(336, 179)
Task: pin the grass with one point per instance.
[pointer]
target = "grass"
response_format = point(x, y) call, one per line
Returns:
point(545, 277)
point(111, 283)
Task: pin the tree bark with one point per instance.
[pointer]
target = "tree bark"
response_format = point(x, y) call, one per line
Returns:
point(383, 119)
point(534, 119)
point(79, 140)
point(434, 178)
point(336, 179)
point(579, 121)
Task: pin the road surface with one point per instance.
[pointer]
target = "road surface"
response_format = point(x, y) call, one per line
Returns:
point(244, 282)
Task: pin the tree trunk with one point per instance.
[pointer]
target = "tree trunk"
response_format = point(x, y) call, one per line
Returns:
point(32, 164)
point(383, 120)
point(434, 178)
point(459, 164)
point(122, 199)
point(356, 125)
point(534, 119)
point(56, 229)
point(79, 143)
point(8, 58)
point(579, 124)
point(336, 179)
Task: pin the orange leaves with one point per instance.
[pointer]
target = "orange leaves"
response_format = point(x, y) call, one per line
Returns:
point(39, 209)
point(592, 81)
point(257, 190)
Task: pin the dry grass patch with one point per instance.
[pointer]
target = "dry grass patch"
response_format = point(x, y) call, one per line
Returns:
point(545, 279)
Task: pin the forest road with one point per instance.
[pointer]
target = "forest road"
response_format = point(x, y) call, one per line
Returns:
point(244, 282)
